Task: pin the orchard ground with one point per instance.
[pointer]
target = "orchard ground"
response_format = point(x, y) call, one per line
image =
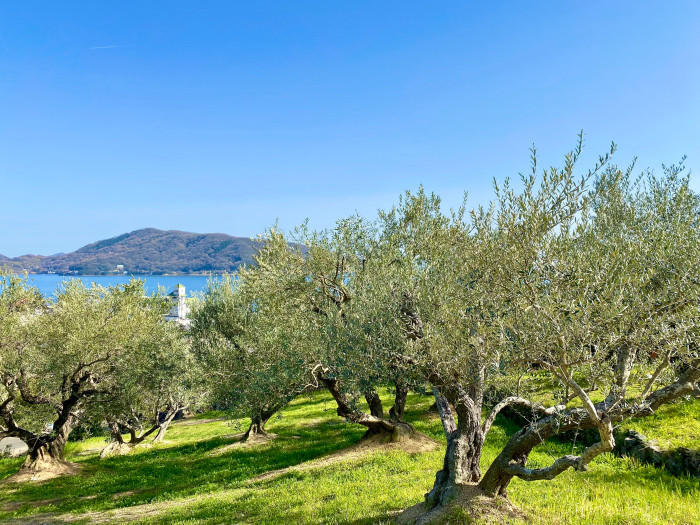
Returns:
point(310, 473)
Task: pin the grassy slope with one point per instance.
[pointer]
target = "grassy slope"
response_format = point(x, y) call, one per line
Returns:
point(184, 483)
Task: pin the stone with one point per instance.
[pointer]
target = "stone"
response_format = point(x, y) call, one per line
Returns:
point(12, 447)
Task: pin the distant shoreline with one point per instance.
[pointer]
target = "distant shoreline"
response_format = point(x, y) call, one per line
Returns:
point(172, 252)
point(49, 283)
point(129, 274)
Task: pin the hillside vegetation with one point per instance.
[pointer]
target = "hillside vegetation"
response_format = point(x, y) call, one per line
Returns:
point(146, 251)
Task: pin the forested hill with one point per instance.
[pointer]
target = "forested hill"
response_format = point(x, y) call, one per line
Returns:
point(146, 251)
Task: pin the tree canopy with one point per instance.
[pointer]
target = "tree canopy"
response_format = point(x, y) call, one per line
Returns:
point(74, 358)
point(588, 282)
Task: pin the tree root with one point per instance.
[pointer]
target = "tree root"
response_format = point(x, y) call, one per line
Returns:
point(467, 504)
point(115, 448)
point(43, 470)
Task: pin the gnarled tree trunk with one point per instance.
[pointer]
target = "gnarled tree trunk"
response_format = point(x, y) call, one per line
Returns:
point(511, 461)
point(375, 403)
point(116, 445)
point(46, 453)
point(465, 440)
point(165, 423)
point(115, 433)
point(387, 430)
point(396, 412)
point(257, 424)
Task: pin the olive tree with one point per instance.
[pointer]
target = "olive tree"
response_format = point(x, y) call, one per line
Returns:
point(60, 360)
point(241, 329)
point(590, 279)
point(609, 306)
point(158, 381)
point(328, 284)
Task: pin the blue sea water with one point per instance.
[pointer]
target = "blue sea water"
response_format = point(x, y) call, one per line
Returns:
point(49, 283)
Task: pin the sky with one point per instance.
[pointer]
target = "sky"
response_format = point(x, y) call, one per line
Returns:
point(229, 116)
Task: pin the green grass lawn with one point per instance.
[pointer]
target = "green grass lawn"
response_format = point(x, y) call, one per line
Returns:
point(185, 481)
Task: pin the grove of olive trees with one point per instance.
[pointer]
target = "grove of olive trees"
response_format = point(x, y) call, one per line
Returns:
point(92, 354)
point(584, 284)
point(589, 282)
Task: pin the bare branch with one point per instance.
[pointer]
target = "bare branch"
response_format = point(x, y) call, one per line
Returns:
point(551, 472)
point(662, 366)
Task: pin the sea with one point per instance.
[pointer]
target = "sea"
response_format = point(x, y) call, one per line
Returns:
point(49, 283)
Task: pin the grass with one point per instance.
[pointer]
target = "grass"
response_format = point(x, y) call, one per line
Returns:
point(674, 425)
point(183, 481)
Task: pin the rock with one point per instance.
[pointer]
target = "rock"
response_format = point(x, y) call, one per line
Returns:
point(115, 449)
point(679, 462)
point(12, 447)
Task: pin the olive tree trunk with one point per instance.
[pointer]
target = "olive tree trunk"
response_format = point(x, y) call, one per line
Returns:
point(465, 440)
point(388, 430)
point(165, 423)
point(396, 412)
point(46, 453)
point(512, 459)
point(258, 422)
point(375, 403)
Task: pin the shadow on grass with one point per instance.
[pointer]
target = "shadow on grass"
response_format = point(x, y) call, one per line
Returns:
point(171, 472)
point(166, 473)
point(366, 490)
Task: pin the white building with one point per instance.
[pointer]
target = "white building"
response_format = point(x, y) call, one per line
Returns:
point(179, 310)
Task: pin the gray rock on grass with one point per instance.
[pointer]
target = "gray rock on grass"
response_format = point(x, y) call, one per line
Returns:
point(12, 447)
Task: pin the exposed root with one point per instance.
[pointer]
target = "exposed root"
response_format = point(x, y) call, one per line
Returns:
point(43, 470)
point(467, 504)
point(115, 449)
point(241, 441)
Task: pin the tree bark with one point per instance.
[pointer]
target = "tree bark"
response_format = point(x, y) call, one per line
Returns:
point(46, 450)
point(465, 441)
point(136, 438)
point(375, 403)
point(47, 453)
point(257, 424)
point(624, 360)
point(393, 430)
point(117, 445)
point(116, 434)
point(163, 427)
point(512, 459)
point(396, 412)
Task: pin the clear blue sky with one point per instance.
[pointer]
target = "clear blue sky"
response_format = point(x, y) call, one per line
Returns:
point(224, 116)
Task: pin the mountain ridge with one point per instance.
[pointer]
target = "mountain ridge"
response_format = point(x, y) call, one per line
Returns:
point(146, 251)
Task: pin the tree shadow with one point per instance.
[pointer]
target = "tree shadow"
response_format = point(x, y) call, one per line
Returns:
point(174, 471)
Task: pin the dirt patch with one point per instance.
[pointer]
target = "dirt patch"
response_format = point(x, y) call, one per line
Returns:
point(54, 470)
point(468, 504)
point(14, 505)
point(115, 449)
point(413, 443)
point(126, 493)
point(252, 441)
point(120, 515)
point(88, 451)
